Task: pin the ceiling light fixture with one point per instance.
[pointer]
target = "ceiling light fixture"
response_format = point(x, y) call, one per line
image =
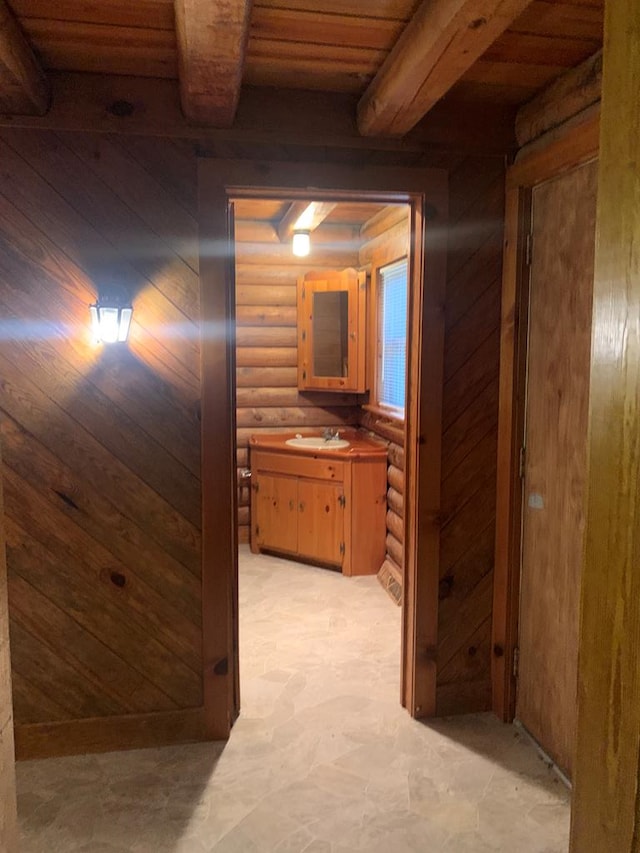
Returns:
point(301, 245)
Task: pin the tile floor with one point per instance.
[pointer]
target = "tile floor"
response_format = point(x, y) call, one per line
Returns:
point(322, 759)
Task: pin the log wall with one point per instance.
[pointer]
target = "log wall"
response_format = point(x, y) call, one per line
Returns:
point(469, 439)
point(101, 445)
point(386, 238)
point(267, 396)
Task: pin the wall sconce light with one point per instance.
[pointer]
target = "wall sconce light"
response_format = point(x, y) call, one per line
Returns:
point(110, 321)
point(301, 245)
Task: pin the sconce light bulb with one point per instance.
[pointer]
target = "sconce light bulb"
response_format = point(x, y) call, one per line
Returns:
point(110, 323)
point(301, 245)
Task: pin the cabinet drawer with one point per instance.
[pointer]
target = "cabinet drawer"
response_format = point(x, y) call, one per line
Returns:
point(298, 466)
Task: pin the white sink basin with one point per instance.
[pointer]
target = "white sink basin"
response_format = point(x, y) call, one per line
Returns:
point(318, 443)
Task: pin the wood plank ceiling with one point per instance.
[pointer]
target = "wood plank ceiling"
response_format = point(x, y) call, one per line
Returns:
point(338, 46)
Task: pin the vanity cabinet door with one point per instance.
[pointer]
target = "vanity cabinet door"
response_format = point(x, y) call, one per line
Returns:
point(276, 505)
point(321, 521)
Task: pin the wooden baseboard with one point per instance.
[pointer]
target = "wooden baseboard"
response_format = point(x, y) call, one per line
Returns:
point(463, 697)
point(108, 734)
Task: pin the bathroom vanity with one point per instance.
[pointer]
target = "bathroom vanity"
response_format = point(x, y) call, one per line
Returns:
point(318, 500)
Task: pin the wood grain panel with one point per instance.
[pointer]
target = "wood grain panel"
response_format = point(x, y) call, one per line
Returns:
point(266, 336)
point(271, 377)
point(30, 703)
point(65, 388)
point(165, 218)
point(266, 315)
point(395, 550)
point(94, 582)
point(81, 46)
point(469, 440)
point(62, 436)
point(151, 260)
point(104, 734)
point(398, 10)
point(50, 626)
point(8, 811)
point(79, 696)
point(25, 88)
point(211, 41)
point(265, 296)
point(560, 306)
point(583, 20)
point(605, 814)
point(102, 463)
point(264, 396)
point(333, 45)
point(300, 416)
point(544, 40)
point(80, 258)
point(90, 510)
point(153, 14)
point(286, 24)
point(58, 532)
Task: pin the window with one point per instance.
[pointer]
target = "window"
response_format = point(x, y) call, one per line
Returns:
point(392, 337)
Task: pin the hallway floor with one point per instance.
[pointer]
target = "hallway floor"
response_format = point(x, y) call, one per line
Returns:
point(323, 759)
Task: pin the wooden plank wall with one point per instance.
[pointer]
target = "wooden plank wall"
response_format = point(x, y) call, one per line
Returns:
point(469, 440)
point(101, 445)
point(101, 461)
point(8, 813)
point(386, 239)
point(266, 354)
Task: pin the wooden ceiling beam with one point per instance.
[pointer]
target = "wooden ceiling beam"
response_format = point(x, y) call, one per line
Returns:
point(212, 41)
point(440, 43)
point(303, 216)
point(24, 89)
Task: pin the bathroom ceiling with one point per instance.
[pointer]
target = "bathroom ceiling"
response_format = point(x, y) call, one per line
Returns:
point(346, 213)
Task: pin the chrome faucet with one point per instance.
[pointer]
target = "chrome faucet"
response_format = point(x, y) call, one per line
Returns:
point(328, 434)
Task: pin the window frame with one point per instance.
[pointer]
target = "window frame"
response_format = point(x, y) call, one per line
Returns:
point(379, 261)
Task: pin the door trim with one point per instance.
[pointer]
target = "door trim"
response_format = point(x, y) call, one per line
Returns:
point(426, 190)
point(577, 146)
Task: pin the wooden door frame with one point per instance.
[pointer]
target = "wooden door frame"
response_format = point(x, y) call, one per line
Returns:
point(426, 190)
point(577, 146)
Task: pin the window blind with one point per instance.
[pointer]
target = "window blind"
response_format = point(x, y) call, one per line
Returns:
point(392, 335)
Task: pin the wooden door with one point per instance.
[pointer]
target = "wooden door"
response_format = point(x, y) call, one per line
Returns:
point(560, 311)
point(275, 509)
point(321, 521)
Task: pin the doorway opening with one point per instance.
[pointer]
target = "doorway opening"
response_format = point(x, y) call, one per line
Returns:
point(223, 186)
point(320, 440)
